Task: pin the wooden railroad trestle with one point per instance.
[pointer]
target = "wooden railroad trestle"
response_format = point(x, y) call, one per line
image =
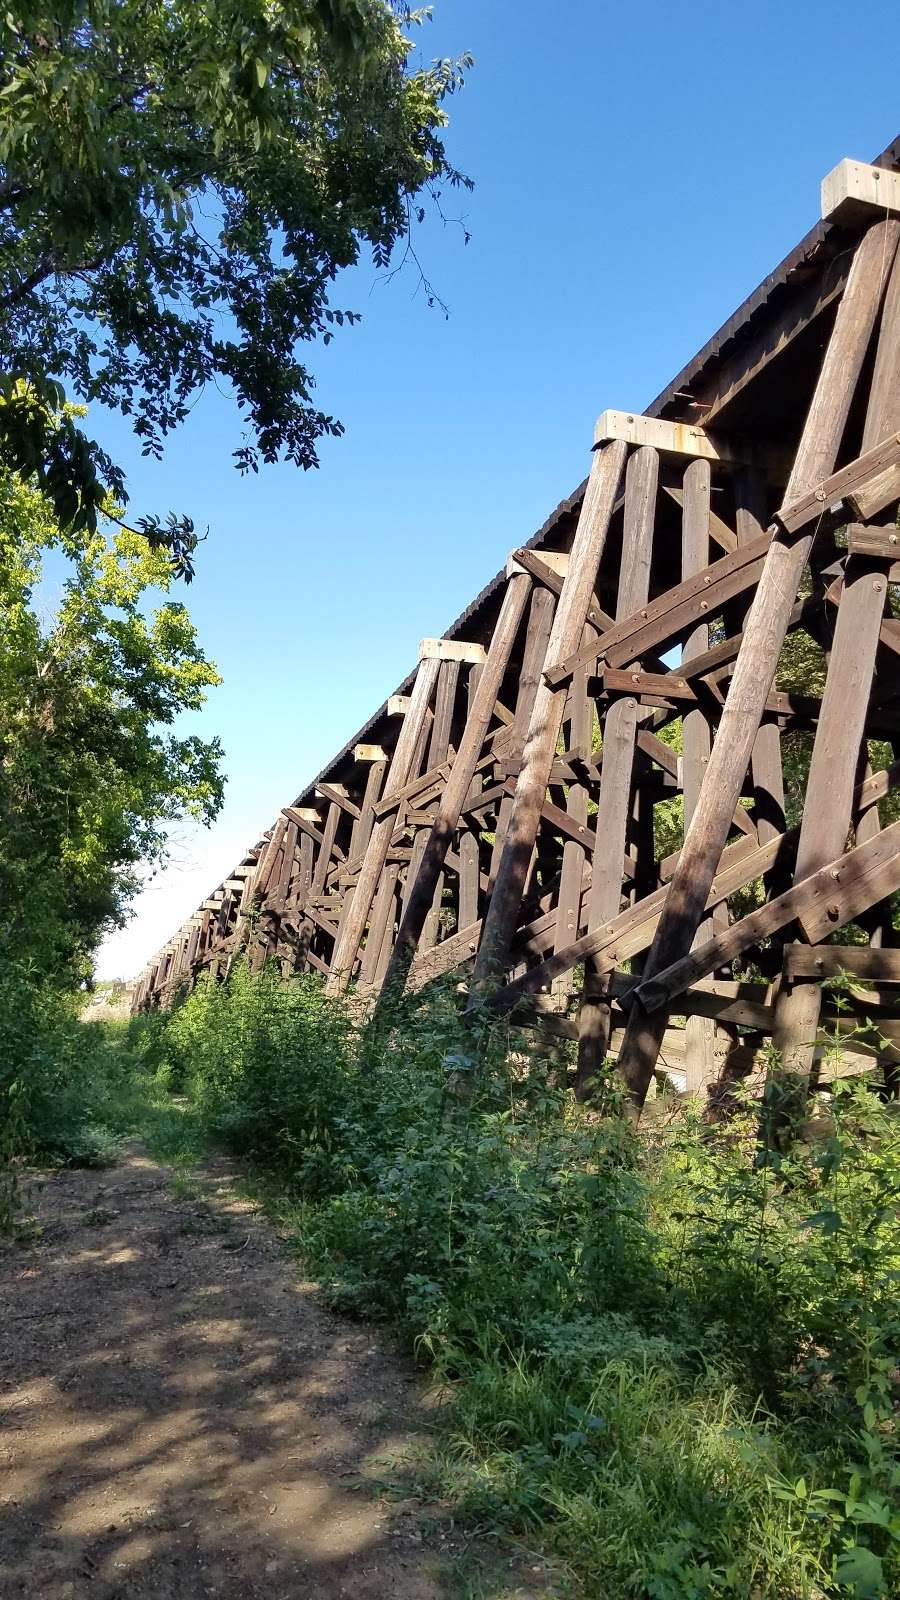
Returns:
point(498, 818)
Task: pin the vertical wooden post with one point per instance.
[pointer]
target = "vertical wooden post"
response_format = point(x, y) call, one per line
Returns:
point(268, 870)
point(828, 802)
point(380, 925)
point(459, 782)
point(765, 762)
point(469, 839)
point(876, 922)
point(301, 895)
point(700, 1032)
point(323, 859)
point(839, 745)
point(761, 646)
point(617, 764)
point(283, 951)
point(360, 832)
point(571, 878)
point(362, 825)
point(438, 750)
point(348, 943)
point(549, 705)
point(380, 938)
point(534, 655)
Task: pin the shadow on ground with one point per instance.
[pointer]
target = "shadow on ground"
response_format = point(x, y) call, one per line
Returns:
point(179, 1418)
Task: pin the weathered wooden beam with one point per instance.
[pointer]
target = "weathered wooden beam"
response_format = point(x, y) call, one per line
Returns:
point(673, 614)
point(687, 439)
point(766, 769)
point(323, 838)
point(805, 614)
point(619, 737)
point(338, 793)
point(451, 650)
point(382, 916)
point(764, 636)
point(459, 782)
point(883, 544)
point(398, 775)
point(580, 716)
point(551, 573)
point(414, 790)
point(724, 536)
point(555, 562)
point(541, 613)
point(700, 1033)
point(842, 722)
point(673, 690)
point(834, 960)
point(326, 840)
point(439, 750)
point(266, 866)
point(872, 480)
point(745, 1005)
point(822, 903)
point(549, 707)
point(853, 191)
point(632, 930)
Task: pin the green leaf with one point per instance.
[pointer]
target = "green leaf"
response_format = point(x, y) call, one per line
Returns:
point(828, 1220)
point(862, 1571)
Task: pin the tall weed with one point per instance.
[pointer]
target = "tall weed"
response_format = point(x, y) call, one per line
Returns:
point(673, 1364)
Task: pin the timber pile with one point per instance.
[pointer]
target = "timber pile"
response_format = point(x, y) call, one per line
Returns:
point(496, 817)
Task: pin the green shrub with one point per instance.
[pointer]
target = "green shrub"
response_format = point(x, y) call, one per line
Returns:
point(672, 1363)
point(69, 1090)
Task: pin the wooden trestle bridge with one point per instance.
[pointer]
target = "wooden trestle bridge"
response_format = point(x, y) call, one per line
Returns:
point(495, 818)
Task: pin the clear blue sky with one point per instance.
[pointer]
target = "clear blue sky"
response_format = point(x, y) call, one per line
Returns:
point(638, 171)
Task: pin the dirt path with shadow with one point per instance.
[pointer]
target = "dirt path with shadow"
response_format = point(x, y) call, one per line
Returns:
point(179, 1418)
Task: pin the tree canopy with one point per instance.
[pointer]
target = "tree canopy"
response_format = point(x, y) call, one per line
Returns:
point(180, 184)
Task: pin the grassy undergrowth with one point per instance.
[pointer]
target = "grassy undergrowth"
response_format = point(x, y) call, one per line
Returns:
point(673, 1366)
point(72, 1091)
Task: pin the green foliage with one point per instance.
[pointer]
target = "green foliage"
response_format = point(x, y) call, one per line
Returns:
point(179, 187)
point(673, 1365)
point(68, 1090)
point(90, 771)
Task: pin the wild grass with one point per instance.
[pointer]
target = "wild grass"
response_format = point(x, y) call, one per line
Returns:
point(670, 1365)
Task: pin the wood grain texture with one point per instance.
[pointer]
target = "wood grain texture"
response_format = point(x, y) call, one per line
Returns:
point(547, 714)
point(764, 636)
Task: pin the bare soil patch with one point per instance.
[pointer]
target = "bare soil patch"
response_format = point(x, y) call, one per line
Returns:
point(180, 1418)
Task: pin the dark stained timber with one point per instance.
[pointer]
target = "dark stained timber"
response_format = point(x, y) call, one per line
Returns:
point(571, 800)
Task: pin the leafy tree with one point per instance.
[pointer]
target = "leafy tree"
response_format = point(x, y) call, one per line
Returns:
point(180, 184)
point(91, 771)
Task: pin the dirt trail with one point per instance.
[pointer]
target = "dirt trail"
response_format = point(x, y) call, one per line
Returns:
point(179, 1418)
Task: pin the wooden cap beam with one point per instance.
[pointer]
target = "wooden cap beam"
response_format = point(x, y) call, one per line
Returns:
point(688, 439)
point(452, 650)
point(556, 560)
point(852, 191)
